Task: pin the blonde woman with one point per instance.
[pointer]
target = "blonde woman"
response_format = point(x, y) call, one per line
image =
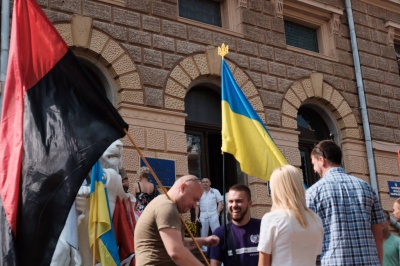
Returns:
point(291, 234)
point(144, 190)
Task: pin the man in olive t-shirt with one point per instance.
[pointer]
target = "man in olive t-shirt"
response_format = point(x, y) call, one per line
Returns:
point(159, 231)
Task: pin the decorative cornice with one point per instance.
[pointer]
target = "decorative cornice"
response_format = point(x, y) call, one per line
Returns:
point(278, 8)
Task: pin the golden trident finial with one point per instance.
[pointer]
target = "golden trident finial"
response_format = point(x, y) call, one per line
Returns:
point(223, 50)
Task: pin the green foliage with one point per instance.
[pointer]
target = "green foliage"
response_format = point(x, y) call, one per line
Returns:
point(192, 227)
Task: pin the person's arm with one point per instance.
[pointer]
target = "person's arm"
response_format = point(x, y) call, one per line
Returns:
point(196, 212)
point(264, 259)
point(219, 207)
point(215, 262)
point(377, 232)
point(172, 240)
point(210, 241)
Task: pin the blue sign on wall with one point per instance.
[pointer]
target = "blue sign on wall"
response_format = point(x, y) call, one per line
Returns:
point(394, 189)
point(163, 168)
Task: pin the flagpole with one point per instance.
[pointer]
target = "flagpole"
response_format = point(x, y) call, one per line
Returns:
point(165, 192)
point(94, 244)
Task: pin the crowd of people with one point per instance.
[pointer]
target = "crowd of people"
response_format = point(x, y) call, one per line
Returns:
point(337, 221)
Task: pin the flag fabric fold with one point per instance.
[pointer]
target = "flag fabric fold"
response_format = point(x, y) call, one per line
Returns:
point(244, 134)
point(101, 230)
point(56, 122)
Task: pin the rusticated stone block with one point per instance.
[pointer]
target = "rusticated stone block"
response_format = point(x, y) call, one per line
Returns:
point(140, 5)
point(269, 82)
point(166, 10)
point(392, 120)
point(296, 73)
point(382, 133)
point(241, 60)
point(54, 16)
point(73, 6)
point(180, 75)
point(289, 109)
point(134, 51)
point(392, 79)
point(277, 69)
point(132, 97)
point(199, 35)
point(174, 103)
point(344, 109)
point(292, 98)
point(336, 99)
point(369, 47)
point(254, 34)
point(273, 118)
point(258, 65)
point(271, 99)
point(65, 32)
point(155, 139)
point(240, 77)
point(220, 38)
point(152, 57)
point(307, 86)
point(385, 165)
point(190, 67)
point(171, 60)
point(299, 91)
point(81, 30)
point(284, 56)
point(139, 37)
point(184, 47)
point(373, 74)
point(175, 89)
point(276, 39)
point(176, 142)
point(96, 10)
point(126, 17)
point(375, 116)
point(304, 61)
point(367, 59)
point(115, 31)
point(289, 122)
point(174, 29)
point(324, 66)
point(247, 47)
point(112, 51)
point(151, 23)
point(377, 102)
point(255, 78)
point(266, 52)
point(201, 62)
point(130, 81)
point(257, 104)
point(249, 89)
point(123, 65)
point(164, 43)
point(153, 76)
point(153, 97)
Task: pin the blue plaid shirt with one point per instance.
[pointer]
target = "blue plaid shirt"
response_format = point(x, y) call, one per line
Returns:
point(348, 206)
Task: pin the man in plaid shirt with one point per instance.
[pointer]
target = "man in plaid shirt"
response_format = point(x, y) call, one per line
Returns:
point(350, 211)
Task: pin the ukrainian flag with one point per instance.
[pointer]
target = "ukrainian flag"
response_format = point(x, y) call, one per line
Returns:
point(101, 231)
point(244, 135)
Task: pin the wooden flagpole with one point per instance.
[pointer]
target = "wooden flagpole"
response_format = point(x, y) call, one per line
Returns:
point(165, 192)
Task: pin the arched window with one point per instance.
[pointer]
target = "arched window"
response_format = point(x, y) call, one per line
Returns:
point(203, 129)
point(311, 123)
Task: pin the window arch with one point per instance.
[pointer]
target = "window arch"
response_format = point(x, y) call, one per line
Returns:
point(314, 125)
point(204, 141)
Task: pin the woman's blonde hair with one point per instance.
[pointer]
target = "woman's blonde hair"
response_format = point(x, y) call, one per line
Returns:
point(288, 192)
point(143, 172)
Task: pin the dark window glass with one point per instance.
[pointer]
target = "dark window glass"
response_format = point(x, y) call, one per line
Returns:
point(313, 129)
point(206, 11)
point(397, 49)
point(301, 36)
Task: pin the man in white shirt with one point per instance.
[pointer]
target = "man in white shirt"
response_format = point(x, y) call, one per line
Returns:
point(209, 207)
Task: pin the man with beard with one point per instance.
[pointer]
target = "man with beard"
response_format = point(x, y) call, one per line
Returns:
point(242, 233)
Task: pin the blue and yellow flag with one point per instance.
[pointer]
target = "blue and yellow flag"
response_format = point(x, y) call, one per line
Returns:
point(244, 135)
point(101, 231)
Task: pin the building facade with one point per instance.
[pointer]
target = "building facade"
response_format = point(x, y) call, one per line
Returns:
point(157, 60)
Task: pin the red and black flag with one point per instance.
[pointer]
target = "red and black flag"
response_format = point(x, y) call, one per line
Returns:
point(56, 122)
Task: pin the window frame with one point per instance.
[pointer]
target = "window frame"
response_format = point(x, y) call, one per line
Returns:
point(310, 13)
